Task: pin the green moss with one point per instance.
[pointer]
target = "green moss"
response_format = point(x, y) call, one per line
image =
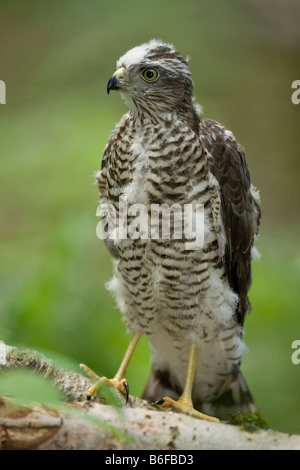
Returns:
point(250, 422)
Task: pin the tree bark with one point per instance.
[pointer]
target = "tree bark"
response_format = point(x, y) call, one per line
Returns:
point(84, 425)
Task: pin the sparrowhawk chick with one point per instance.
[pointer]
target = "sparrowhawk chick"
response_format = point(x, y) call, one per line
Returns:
point(189, 302)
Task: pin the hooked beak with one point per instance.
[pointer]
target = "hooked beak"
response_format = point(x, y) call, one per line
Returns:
point(117, 80)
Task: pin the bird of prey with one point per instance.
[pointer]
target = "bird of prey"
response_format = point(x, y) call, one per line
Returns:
point(189, 302)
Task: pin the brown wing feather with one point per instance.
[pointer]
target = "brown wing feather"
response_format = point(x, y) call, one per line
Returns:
point(102, 188)
point(240, 210)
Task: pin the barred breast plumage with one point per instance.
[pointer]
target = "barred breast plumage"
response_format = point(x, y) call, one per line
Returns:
point(164, 154)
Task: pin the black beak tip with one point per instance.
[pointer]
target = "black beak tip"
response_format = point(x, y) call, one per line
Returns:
point(113, 84)
point(108, 86)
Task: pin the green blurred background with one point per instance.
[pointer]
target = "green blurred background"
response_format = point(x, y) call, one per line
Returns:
point(56, 58)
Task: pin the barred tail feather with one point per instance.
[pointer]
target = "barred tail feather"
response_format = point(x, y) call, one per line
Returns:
point(236, 399)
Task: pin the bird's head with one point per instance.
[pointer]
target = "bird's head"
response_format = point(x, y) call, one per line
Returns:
point(153, 78)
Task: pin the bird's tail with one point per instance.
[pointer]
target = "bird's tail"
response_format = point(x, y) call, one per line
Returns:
point(234, 400)
point(237, 399)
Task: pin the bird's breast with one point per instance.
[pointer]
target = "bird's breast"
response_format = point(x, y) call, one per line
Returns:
point(161, 280)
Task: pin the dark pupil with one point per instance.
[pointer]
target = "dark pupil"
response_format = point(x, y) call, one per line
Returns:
point(150, 74)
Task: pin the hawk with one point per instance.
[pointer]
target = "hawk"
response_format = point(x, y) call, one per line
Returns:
point(190, 303)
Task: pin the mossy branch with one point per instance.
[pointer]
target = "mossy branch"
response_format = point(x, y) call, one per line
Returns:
point(79, 424)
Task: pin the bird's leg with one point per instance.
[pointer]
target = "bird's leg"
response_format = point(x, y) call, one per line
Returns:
point(119, 382)
point(185, 403)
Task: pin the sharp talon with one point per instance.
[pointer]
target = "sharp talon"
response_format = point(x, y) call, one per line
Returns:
point(159, 402)
point(126, 386)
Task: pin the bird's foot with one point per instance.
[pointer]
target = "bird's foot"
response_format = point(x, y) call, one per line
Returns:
point(121, 385)
point(116, 382)
point(185, 407)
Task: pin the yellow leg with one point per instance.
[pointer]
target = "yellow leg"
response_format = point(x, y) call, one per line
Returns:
point(119, 382)
point(185, 403)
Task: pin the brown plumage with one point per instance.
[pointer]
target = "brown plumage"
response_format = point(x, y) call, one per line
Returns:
point(163, 151)
point(240, 207)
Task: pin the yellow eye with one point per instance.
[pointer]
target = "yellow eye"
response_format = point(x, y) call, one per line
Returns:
point(150, 75)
